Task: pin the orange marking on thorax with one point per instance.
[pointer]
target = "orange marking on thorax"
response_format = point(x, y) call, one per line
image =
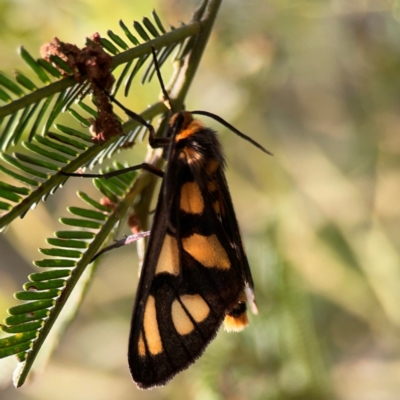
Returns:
point(193, 127)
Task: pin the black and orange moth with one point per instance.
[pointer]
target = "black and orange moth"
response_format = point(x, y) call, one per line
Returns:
point(195, 273)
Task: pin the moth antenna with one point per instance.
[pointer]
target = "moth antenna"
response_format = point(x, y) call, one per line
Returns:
point(167, 100)
point(131, 114)
point(232, 128)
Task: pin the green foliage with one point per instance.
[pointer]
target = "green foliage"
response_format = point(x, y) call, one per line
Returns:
point(46, 294)
point(77, 148)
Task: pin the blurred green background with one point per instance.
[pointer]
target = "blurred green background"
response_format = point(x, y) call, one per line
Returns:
point(317, 83)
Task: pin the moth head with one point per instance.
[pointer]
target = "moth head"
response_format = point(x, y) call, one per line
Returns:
point(180, 121)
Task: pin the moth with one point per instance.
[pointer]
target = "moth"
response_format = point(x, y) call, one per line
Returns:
point(195, 273)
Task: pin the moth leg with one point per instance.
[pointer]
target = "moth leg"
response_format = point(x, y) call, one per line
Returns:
point(147, 167)
point(122, 242)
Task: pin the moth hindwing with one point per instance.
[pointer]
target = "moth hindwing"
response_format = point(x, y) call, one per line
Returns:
point(195, 270)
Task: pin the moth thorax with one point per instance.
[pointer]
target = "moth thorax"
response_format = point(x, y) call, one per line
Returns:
point(180, 120)
point(184, 126)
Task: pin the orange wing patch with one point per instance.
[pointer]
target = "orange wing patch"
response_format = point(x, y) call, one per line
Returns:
point(212, 166)
point(141, 346)
point(151, 330)
point(181, 321)
point(168, 260)
point(211, 186)
point(191, 199)
point(207, 250)
point(216, 207)
point(195, 306)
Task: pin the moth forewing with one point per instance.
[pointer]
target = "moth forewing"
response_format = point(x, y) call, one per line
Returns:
point(231, 226)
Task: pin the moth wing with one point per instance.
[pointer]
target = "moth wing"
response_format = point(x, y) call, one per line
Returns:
point(237, 319)
point(231, 227)
point(186, 286)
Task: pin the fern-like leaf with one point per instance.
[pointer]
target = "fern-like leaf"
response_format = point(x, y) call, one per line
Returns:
point(27, 108)
point(49, 152)
point(46, 293)
point(68, 150)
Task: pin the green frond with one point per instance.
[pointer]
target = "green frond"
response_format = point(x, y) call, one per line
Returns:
point(30, 101)
point(71, 251)
point(35, 66)
point(38, 168)
point(50, 151)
